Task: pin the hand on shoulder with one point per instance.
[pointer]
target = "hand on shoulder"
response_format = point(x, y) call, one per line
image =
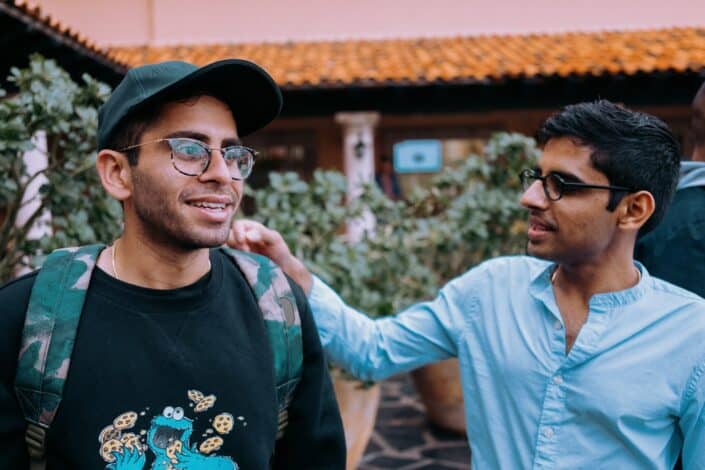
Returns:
point(250, 236)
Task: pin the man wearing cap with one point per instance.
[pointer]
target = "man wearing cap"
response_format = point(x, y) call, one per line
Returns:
point(172, 365)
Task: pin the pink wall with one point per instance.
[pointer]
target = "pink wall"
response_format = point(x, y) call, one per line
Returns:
point(125, 22)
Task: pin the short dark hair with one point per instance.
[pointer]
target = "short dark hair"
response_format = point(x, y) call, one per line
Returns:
point(633, 149)
point(129, 131)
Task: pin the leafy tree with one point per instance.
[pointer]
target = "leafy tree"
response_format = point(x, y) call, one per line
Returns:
point(47, 100)
point(469, 213)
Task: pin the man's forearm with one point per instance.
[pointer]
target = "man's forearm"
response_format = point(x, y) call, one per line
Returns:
point(298, 272)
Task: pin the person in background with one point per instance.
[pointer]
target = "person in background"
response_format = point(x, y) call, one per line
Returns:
point(387, 179)
point(675, 250)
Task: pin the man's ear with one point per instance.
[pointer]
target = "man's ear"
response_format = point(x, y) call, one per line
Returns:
point(635, 209)
point(115, 173)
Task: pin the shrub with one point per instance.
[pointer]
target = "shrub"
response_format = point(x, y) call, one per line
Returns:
point(47, 100)
point(469, 213)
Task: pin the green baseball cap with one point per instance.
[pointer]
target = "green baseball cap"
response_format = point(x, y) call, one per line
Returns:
point(252, 95)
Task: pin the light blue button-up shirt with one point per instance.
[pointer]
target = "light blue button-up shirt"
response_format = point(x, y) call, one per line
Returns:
point(628, 395)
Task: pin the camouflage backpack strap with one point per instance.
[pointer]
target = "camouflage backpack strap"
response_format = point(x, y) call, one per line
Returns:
point(51, 322)
point(282, 322)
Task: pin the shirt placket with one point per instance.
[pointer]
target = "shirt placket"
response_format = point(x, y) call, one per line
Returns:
point(553, 411)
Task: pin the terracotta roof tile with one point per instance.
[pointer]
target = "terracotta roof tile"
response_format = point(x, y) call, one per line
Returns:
point(24, 7)
point(453, 59)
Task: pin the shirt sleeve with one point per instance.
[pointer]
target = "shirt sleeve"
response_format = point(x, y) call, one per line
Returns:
point(314, 438)
point(375, 349)
point(692, 422)
point(13, 298)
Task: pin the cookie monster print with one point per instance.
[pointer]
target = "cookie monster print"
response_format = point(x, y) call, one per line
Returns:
point(168, 439)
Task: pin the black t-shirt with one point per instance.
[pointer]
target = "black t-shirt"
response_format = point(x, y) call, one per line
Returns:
point(159, 369)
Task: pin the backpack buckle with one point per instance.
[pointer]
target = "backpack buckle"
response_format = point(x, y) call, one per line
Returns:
point(35, 437)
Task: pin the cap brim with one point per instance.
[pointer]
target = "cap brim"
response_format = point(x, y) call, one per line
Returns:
point(252, 95)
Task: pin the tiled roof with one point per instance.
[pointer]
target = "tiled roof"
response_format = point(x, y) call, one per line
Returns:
point(451, 60)
point(30, 13)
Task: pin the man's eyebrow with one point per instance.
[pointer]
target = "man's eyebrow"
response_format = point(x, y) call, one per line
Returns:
point(230, 141)
point(203, 138)
point(567, 176)
point(189, 134)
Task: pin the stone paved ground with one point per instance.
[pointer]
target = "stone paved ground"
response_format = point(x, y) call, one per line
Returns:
point(404, 440)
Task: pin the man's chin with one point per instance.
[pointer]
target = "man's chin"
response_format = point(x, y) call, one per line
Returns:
point(199, 241)
point(537, 252)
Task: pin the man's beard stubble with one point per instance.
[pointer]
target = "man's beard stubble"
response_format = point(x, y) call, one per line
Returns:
point(165, 225)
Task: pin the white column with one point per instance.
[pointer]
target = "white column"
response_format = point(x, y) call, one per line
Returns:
point(358, 161)
point(35, 162)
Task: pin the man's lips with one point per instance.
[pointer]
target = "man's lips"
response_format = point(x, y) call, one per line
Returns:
point(538, 226)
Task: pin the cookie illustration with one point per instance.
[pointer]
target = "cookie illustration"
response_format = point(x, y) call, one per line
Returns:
point(131, 441)
point(108, 433)
point(194, 395)
point(125, 420)
point(173, 449)
point(223, 423)
point(107, 449)
point(205, 403)
point(211, 444)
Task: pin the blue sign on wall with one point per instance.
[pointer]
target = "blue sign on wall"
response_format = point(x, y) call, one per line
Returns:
point(418, 156)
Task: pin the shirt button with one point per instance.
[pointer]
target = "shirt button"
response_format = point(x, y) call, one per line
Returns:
point(548, 432)
point(557, 380)
point(558, 325)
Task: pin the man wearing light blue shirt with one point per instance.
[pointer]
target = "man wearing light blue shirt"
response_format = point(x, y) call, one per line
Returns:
point(574, 357)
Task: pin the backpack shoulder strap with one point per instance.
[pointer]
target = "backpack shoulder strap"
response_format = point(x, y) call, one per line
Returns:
point(51, 322)
point(282, 322)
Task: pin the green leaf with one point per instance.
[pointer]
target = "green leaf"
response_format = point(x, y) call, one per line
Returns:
point(81, 212)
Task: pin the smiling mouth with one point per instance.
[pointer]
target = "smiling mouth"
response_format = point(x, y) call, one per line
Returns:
point(209, 205)
point(165, 435)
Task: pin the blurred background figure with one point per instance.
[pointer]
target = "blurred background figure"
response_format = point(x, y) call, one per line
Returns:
point(387, 179)
point(675, 250)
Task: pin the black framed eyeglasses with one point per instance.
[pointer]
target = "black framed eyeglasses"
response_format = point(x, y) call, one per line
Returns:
point(192, 157)
point(555, 186)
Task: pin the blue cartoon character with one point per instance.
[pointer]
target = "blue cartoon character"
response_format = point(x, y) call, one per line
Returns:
point(169, 440)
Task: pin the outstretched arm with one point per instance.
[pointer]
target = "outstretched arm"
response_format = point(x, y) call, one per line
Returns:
point(369, 349)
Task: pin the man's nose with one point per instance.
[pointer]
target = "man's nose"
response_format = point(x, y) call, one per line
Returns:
point(217, 169)
point(534, 196)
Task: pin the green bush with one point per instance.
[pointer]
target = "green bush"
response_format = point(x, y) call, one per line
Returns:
point(46, 99)
point(469, 213)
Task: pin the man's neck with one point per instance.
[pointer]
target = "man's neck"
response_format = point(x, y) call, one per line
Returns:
point(144, 263)
point(574, 286)
point(585, 280)
point(698, 154)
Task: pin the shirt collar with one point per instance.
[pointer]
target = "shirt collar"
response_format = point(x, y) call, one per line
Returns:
point(542, 289)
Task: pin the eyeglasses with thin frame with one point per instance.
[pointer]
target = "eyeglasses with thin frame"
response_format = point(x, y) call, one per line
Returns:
point(192, 157)
point(555, 186)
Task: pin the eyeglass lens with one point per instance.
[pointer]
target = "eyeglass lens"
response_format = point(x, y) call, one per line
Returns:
point(191, 157)
point(552, 184)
